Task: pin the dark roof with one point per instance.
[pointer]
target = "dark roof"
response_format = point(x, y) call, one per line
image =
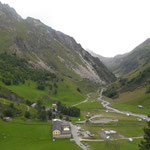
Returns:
point(65, 124)
point(57, 125)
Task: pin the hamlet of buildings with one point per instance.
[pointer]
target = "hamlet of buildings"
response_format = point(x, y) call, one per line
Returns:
point(61, 129)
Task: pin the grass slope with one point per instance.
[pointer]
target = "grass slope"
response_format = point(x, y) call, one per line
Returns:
point(19, 106)
point(19, 135)
point(91, 104)
point(66, 92)
point(129, 101)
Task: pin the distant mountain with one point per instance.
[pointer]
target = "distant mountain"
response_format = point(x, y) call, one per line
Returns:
point(130, 62)
point(48, 49)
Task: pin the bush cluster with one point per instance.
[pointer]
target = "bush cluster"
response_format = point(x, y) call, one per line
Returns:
point(15, 70)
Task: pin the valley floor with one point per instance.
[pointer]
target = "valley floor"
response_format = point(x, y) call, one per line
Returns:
point(23, 135)
point(95, 117)
point(103, 119)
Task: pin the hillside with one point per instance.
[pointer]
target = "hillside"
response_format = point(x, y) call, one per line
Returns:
point(40, 63)
point(134, 71)
point(129, 83)
point(47, 48)
point(46, 75)
point(130, 62)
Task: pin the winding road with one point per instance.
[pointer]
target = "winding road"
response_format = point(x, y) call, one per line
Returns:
point(101, 140)
point(88, 96)
point(106, 104)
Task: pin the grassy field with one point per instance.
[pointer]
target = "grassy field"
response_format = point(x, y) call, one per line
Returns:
point(115, 145)
point(66, 92)
point(19, 106)
point(127, 126)
point(92, 105)
point(129, 101)
point(19, 135)
point(124, 127)
point(27, 90)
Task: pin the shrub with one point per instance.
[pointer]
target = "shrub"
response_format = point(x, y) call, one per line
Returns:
point(111, 92)
point(41, 87)
point(27, 114)
point(9, 112)
point(12, 105)
point(78, 90)
point(29, 103)
point(148, 89)
point(6, 81)
point(145, 144)
point(55, 85)
point(42, 115)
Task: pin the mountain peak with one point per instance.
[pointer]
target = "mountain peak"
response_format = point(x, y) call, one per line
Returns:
point(49, 49)
point(8, 14)
point(35, 21)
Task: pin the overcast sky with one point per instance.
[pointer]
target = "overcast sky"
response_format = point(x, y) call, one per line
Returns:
point(107, 27)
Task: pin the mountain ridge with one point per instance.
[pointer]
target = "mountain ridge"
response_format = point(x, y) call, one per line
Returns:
point(47, 48)
point(128, 63)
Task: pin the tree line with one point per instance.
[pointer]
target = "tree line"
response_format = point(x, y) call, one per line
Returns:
point(70, 111)
point(15, 70)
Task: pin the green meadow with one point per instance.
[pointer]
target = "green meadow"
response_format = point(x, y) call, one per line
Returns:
point(129, 101)
point(126, 126)
point(19, 106)
point(66, 92)
point(20, 135)
point(115, 145)
point(91, 104)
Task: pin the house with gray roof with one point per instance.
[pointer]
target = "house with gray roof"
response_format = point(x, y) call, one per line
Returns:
point(61, 129)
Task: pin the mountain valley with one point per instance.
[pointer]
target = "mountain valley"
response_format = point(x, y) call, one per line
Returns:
point(45, 75)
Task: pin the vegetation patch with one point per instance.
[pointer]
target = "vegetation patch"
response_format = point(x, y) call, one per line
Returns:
point(115, 145)
point(20, 135)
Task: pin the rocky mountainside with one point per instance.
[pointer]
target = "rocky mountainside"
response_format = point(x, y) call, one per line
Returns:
point(47, 48)
point(130, 62)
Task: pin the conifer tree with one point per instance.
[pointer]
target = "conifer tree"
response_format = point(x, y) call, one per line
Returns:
point(145, 144)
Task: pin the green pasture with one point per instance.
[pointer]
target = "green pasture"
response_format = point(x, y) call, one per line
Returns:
point(20, 135)
point(129, 101)
point(66, 92)
point(115, 145)
point(124, 128)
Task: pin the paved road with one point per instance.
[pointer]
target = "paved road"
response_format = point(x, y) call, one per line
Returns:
point(101, 140)
point(76, 137)
point(83, 101)
point(106, 104)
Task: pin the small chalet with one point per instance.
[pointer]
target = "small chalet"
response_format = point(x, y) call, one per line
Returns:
point(61, 129)
point(54, 107)
point(7, 119)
